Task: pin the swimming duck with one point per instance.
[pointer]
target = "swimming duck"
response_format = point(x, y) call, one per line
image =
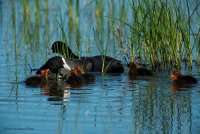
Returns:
point(35, 81)
point(54, 64)
point(135, 70)
point(183, 79)
point(77, 76)
point(111, 65)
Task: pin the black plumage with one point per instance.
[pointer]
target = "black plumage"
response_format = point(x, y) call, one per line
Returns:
point(99, 62)
point(54, 65)
point(138, 71)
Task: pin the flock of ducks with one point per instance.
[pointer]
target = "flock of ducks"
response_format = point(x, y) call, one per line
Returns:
point(76, 71)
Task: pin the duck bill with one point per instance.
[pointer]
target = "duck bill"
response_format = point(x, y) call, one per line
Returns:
point(65, 65)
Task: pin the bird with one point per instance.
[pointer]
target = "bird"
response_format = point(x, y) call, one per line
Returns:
point(37, 80)
point(178, 78)
point(136, 70)
point(99, 63)
point(77, 76)
point(54, 64)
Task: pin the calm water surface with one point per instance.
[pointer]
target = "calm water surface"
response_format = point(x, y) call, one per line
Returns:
point(111, 104)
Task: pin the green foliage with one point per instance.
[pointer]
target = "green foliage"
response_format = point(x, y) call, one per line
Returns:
point(161, 33)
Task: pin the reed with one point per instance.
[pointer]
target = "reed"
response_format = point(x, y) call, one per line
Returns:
point(37, 23)
point(26, 22)
point(161, 33)
point(46, 33)
point(78, 34)
point(70, 20)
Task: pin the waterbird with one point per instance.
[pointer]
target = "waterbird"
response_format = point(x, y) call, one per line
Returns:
point(37, 80)
point(54, 64)
point(178, 78)
point(138, 70)
point(77, 76)
point(99, 63)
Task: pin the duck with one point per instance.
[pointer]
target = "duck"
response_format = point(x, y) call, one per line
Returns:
point(77, 76)
point(138, 70)
point(37, 80)
point(178, 78)
point(110, 64)
point(54, 64)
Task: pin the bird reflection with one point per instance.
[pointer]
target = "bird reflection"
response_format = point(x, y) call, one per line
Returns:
point(56, 90)
point(180, 87)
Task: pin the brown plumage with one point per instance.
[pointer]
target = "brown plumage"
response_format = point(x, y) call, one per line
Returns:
point(38, 80)
point(137, 70)
point(77, 76)
point(183, 79)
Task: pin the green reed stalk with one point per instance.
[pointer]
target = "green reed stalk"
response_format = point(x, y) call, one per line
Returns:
point(63, 33)
point(27, 37)
point(197, 42)
point(71, 20)
point(15, 44)
point(78, 35)
point(99, 36)
point(160, 33)
point(37, 22)
point(15, 32)
point(46, 33)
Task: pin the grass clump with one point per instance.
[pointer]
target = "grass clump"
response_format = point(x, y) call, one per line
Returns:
point(161, 33)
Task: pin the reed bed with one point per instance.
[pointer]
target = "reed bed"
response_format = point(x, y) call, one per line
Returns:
point(162, 33)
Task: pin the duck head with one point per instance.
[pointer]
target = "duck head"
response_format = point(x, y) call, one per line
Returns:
point(75, 77)
point(54, 64)
point(131, 65)
point(175, 75)
point(44, 73)
point(76, 71)
point(63, 49)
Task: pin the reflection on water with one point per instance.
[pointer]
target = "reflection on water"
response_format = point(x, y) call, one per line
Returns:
point(110, 104)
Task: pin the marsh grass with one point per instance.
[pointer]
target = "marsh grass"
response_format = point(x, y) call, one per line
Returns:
point(161, 33)
point(102, 50)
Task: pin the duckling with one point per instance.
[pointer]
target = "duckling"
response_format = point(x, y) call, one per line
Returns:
point(183, 79)
point(137, 70)
point(77, 76)
point(35, 81)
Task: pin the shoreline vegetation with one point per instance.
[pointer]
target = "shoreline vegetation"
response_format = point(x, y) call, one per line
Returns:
point(161, 33)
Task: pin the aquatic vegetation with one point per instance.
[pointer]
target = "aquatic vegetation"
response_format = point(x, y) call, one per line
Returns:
point(161, 33)
point(147, 30)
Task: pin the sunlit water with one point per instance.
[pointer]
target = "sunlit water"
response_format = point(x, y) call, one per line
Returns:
point(111, 104)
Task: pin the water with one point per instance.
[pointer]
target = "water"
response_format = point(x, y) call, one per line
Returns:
point(111, 104)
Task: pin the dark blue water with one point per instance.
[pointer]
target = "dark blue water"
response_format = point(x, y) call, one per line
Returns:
point(111, 104)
